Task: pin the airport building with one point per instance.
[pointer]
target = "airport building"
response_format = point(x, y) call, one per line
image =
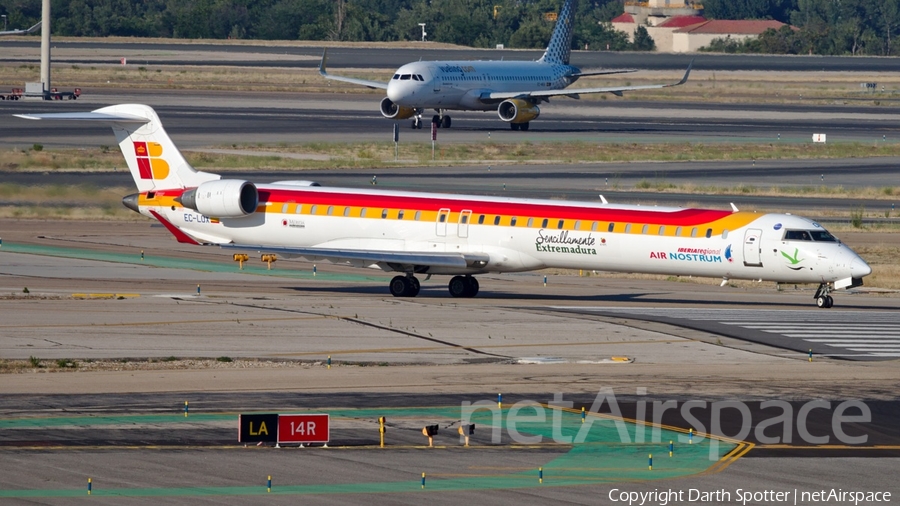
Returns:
point(677, 26)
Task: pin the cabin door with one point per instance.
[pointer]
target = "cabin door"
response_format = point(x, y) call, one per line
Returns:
point(752, 247)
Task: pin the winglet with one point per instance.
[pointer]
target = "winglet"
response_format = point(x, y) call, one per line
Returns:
point(322, 63)
point(686, 73)
point(34, 28)
point(733, 207)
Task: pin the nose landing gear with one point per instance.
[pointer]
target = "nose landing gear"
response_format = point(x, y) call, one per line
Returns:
point(823, 300)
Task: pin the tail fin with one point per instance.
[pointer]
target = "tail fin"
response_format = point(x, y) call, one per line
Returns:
point(154, 161)
point(560, 46)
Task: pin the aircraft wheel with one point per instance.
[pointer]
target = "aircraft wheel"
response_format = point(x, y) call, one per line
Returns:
point(523, 127)
point(473, 286)
point(822, 301)
point(445, 122)
point(414, 286)
point(458, 286)
point(413, 124)
point(400, 287)
point(436, 119)
point(514, 126)
point(419, 123)
point(829, 301)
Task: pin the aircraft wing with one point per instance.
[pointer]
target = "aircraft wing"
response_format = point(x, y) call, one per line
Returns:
point(575, 92)
point(22, 32)
point(361, 82)
point(416, 258)
point(585, 73)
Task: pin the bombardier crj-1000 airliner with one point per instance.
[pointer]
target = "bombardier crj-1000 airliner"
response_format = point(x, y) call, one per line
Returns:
point(461, 235)
point(512, 88)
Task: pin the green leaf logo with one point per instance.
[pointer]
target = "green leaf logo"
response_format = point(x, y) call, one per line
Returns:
point(792, 259)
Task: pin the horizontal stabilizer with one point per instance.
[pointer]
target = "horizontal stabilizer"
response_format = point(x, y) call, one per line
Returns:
point(87, 116)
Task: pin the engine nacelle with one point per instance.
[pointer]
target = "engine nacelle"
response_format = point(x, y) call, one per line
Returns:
point(393, 111)
point(225, 198)
point(516, 110)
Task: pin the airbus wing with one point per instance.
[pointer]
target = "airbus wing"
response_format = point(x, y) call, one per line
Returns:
point(575, 92)
point(362, 82)
point(22, 32)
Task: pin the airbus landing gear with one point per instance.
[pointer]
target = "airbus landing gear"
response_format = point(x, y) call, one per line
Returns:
point(823, 300)
point(442, 121)
point(416, 123)
point(519, 126)
point(463, 286)
point(404, 286)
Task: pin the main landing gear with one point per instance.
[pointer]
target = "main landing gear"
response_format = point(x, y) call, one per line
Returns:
point(443, 121)
point(404, 286)
point(823, 300)
point(463, 286)
point(519, 126)
point(416, 123)
point(408, 286)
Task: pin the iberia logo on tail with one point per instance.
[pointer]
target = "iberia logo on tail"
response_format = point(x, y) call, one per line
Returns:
point(150, 165)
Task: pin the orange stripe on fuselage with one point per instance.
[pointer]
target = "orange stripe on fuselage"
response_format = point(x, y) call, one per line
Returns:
point(679, 222)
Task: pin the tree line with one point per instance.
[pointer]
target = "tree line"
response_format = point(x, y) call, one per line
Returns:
point(477, 23)
point(826, 27)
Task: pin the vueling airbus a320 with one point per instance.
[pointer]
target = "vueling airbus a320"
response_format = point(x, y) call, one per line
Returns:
point(460, 235)
point(512, 88)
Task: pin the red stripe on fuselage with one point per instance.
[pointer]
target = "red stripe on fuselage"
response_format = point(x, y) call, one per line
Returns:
point(684, 217)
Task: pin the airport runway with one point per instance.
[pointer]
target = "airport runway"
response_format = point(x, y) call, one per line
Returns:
point(297, 317)
point(200, 119)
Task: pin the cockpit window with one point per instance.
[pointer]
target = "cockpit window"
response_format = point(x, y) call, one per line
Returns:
point(404, 77)
point(808, 235)
point(415, 77)
point(420, 77)
point(396, 76)
point(822, 236)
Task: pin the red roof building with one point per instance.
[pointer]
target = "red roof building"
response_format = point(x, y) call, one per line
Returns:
point(691, 38)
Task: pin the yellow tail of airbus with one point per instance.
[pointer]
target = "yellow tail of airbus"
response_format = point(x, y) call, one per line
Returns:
point(463, 235)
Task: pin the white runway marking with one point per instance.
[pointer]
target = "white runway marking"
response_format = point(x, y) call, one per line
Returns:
point(849, 334)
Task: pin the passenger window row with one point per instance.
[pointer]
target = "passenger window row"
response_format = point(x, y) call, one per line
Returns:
point(612, 227)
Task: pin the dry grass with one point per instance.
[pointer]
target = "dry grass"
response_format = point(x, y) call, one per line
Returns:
point(76, 202)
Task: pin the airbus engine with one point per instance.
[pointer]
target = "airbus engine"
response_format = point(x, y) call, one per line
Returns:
point(393, 111)
point(225, 198)
point(516, 110)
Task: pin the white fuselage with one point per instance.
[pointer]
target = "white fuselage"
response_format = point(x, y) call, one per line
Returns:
point(460, 85)
point(520, 235)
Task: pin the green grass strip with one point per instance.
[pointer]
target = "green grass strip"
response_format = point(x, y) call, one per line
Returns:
point(177, 263)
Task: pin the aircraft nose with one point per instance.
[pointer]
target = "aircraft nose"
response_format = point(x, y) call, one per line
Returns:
point(395, 91)
point(859, 268)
